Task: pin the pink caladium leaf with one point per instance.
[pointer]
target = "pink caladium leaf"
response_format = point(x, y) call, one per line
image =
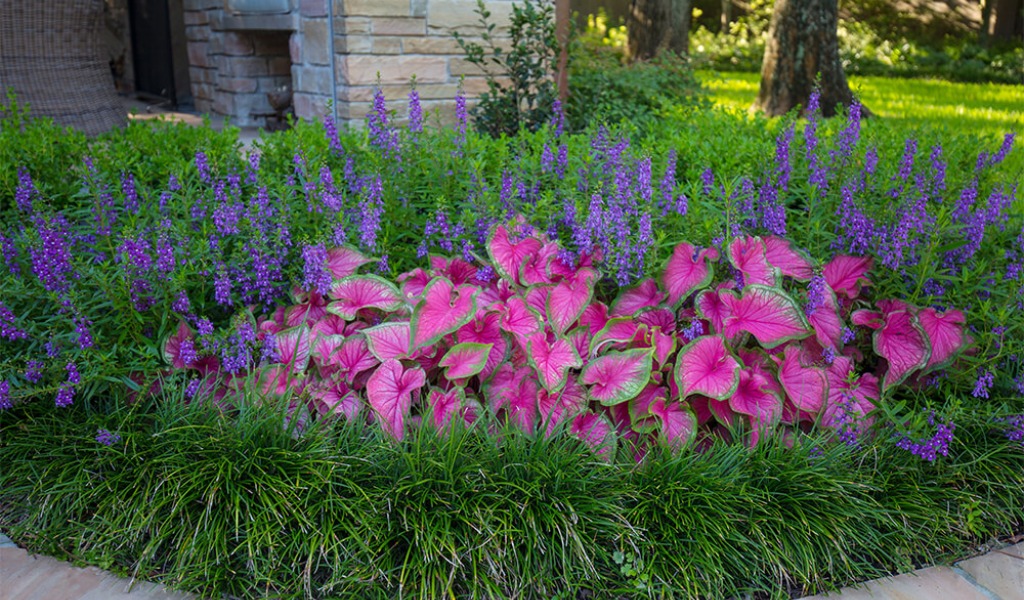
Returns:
point(336, 399)
point(789, 260)
point(522, 408)
point(358, 292)
point(389, 340)
point(389, 392)
point(828, 327)
point(945, 333)
point(753, 398)
point(506, 256)
point(443, 405)
point(706, 367)
point(558, 407)
point(173, 345)
point(594, 317)
point(413, 283)
point(767, 313)
point(711, 307)
point(903, 345)
point(344, 261)
point(443, 309)
point(353, 357)
point(537, 298)
point(678, 423)
point(597, 432)
point(520, 320)
point(618, 376)
point(619, 330)
point(485, 329)
point(868, 318)
point(891, 305)
point(324, 346)
point(307, 313)
point(659, 317)
point(644, 295)
point(640, 417)
point(294, 347)
point(329, 325)
point(847, 274)
point(465, 360)
point(687, 270)
point(806, 387)
point(747, 255)
point(552, 360)
point(569, 298)
point(535, 268)
point(454, 270)
point(278, 380)
point(664, 345)
point(580, 340)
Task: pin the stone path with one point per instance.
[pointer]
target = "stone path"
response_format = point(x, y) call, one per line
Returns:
point(998, 575)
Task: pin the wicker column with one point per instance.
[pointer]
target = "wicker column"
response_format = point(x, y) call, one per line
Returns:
point(50, 56)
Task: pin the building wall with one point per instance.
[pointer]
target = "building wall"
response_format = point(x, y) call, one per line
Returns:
point(376, 42)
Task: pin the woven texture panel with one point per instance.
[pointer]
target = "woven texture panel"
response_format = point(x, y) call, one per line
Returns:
point(50, 56)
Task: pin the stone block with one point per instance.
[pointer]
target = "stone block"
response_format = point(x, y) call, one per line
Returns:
point(364, 69)
point(397, 95)
point(315, 42)
point(399, 26)
point(295, 48)
point(196, 17)
point(197, 75)
point(309, 106)
point(224, 103)
point(202, 91)
point(313, 8)
point(353, 44)
point(387, 45)
point(446, 16)
point(458, 66)
point(234, 43)
point(377, 8)
point(237, 85)
point(999, 571)
point(935, 583)
point(316, 80)
point(418, 8)
point(199, 55)
point(354, 113)
point(203, 105)
point(197, 33)
point(432, 45)
point(243, 66)
point(353, 26)
point(192, 5)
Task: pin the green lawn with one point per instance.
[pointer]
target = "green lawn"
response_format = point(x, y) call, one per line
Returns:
point(983, 109)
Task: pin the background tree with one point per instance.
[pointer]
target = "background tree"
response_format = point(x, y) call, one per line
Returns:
point(656, 25)
point(802, 53)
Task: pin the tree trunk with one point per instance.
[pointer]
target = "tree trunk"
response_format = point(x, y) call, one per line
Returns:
point(803, 47)
point(726, 15)
point(1004, 22)
point(655, 25)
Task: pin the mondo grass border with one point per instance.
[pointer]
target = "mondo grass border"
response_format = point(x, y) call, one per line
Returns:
point(242, 506)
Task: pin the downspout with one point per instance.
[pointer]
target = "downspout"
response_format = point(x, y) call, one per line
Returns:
point(334, 70)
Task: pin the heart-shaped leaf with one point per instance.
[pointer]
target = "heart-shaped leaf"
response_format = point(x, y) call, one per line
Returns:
point(711, 307)
point(443, 309)
point(465, 360)
point(485, 329)
point(443, 405)
point(506, 256)
point(747, 255)
point(847, 274)
point(294, 347)
point(705, 367)
point(389, 392)
point(358, 292)
point(520, 320)
point(828, 328)
point(568, 299)
point(753, 398)
point(618, 376)
point(806, 387)
point(344, 261)
point(172, 347)
point(353, 357)
point(678, 423)
point(552, 361)
point(618, 330)
point(597, 432)
point(637, 299)
point(788, 259)
point(903, 345)
point(767, 313)
point(687, 270)
point(558, 407)
point(945, 333)
point(336, 399)
point(388, 340)
point(640, 417)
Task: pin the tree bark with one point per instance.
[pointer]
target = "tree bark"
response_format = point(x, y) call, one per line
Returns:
point(1004, 21)
point(656, 25)
point(726, 15)
point(803, 53)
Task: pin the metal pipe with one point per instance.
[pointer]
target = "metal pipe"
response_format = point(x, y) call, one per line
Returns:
point(334, 70)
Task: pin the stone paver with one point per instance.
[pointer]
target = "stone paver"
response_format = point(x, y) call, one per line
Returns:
point(27, 577)
point(1000, 571)
point(935, 583)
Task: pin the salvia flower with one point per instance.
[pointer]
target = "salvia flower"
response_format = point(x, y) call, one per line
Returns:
point(850, 134)
point(204, 327)
point(131, 195)
point(5, 395)
point(8, 330)
point(83, 333)
point(34, 371)
point(203, 167)
point(382, 135)
point(315, 275)
point(986, 379)
point(65, 396)
point(107, 438)
point(74, 377)
point(929, 448)
point(557, 118)
point(815, 294)
point(24, 192)
point(415, 113)
point(10, 255)
point(1015, 428)
point(51, 260)
point(1000, 155)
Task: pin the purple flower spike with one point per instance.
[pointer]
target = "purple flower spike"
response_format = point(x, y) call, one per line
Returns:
point(5, 395)
point(107, 438)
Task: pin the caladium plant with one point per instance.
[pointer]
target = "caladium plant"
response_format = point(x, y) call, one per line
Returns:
point(677, 357)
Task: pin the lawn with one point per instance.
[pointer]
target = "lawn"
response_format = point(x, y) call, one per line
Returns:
point(988, 109)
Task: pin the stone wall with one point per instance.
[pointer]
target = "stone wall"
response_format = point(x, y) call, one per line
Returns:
point(376, 42)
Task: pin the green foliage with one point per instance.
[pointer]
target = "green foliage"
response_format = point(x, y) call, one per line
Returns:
point(521, 92)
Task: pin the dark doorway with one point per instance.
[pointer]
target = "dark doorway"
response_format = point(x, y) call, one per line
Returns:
point(159, 51)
